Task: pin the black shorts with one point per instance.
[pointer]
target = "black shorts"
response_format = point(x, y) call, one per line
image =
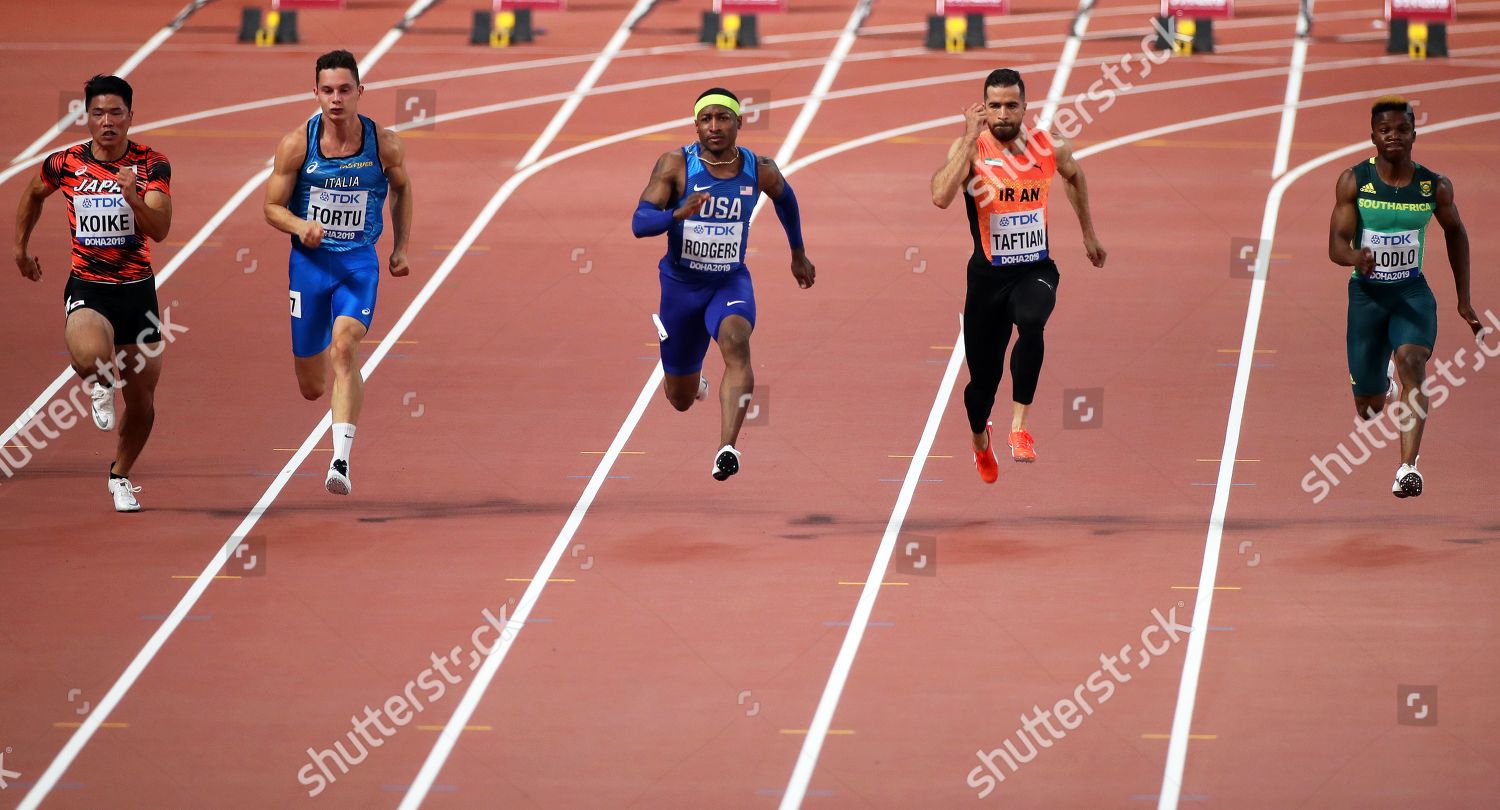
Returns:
point(1383, 317)
point(130, 307)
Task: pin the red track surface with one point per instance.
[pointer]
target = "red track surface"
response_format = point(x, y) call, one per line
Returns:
point(694, 624)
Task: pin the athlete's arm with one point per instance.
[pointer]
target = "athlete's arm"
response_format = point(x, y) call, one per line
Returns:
point(393, 158)
point(289, 156)
point(27, 214)
point(653, 214)
point(153, 210)
point(1342, 227)
point(1078, 195)
point(947, 180)
point(1457, 238)
point(774, 184)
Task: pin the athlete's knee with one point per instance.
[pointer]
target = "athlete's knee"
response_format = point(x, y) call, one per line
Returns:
point(312, 390)
point(679, 400)
point(1412, 364)
point(735, 344)
point(1368, 408)
point(343, 349)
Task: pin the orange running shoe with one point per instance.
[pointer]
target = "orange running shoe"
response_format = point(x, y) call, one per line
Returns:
point(1022, 446)
point(989, 468)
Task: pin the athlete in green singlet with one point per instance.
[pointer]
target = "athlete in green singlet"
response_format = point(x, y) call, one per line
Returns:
point(1379, 228)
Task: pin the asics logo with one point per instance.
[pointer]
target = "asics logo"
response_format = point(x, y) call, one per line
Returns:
point(312, 167)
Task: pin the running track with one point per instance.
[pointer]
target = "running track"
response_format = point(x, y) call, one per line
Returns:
point(687, 639)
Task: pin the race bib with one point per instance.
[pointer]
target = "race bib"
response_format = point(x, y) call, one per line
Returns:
point(341, 212)
point(1397, 255)
point(711, 246)
point(103, 220)
point(1018, 236)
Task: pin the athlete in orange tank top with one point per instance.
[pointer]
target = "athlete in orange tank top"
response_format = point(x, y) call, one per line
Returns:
point(1005, 172)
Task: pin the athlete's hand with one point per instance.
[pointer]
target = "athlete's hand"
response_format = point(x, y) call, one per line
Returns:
point(975, 121)
point(399, 267)
point(31, 266)
point(803, 269)
point(1095, 250)
point(693, 202)
point(126, 178)
point(312, 234)
point(1365, 264)
point(1466, 311)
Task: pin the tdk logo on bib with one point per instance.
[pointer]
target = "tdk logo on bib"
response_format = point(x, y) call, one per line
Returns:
point(1016, 220)
point(1392, 239)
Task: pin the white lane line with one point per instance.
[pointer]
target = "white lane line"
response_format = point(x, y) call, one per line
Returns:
point(1192, 665)
point(843, 664)
point(590, 78)
point(122, 71)
point(111, 699)
point(1065, 64)
point(516, 622)
point(1284, 135)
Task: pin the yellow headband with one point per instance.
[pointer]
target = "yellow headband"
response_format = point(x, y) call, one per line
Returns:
point(719, 99)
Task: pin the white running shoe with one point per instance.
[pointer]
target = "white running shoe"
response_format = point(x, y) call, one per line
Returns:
point(124, 495)
point(726, 463)
point(1408, 482)
point(1393, 385)
point(702, 388)
point(103, 397)
point(337, 482)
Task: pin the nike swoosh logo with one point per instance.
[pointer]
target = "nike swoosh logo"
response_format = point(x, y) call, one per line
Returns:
point(1049, 286)
point(732, 303)
point(705, 188)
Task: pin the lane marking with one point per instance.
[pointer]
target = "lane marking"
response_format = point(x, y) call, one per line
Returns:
point(516, 623)
point(130, 64)
point(1192, 665)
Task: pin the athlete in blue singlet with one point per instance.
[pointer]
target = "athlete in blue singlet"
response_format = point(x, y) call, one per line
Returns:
point(702, 197)
point(329, 183)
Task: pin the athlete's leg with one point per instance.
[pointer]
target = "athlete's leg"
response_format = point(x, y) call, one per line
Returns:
point(1413, 331)
point(343, 355)
point(739, 377)
point(1411, 369)
point(986, 335)
point(139, 373)
point(1369, 350)
point(1031, 304)
point(311, 293)
point(682, 312)
point(91, 344)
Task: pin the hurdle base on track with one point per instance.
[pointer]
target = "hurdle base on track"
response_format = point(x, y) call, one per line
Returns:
point(729, 31)
point(273, 28)
point(1399, 40)
point(955, 34)
point(1200, 29)
point(502, 30)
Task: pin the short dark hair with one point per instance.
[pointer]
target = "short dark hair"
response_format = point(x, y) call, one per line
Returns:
point(102, 85)
point(1004, 77)
point(716, 91)
point(1386, 104)
point(333, 60)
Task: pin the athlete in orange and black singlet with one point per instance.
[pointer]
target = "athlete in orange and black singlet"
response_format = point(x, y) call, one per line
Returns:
point(1005, 171)
point(118, 196)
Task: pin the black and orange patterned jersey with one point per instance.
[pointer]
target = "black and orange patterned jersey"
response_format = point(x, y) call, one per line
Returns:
point(106, 243)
